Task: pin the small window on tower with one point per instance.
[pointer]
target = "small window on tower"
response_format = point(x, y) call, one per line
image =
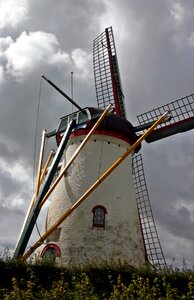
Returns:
point(50, 252)
point(99, 212)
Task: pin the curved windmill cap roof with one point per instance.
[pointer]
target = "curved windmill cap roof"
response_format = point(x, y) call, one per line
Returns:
point(112, 123)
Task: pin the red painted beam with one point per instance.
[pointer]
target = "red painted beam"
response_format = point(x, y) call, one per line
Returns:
point(171, 129)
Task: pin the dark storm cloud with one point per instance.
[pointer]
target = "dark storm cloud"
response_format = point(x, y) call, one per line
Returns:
point(169, 175)
point(156, 58)
point(74, 23)
point(11, 222)
point(20, 97)
point(7, 153)
point(159, 67)
point(8, 185)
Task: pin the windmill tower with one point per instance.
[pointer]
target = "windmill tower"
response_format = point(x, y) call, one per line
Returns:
point(115, 222)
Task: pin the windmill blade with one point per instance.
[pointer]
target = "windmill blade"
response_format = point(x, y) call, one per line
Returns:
point(182, 118)
point(106, 73)
point(151, 240)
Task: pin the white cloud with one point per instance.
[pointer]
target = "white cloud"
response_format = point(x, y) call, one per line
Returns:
point(182, 24)
point(1, 74)
point(29, 50)
point(16, 170)
point(59, 58)
point(81, 60)
point(111, 18)
point(12, 12)
point(178, 13)
point(5, 43)
point(32, 49)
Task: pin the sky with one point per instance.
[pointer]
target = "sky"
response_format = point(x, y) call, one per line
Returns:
point(155, 48)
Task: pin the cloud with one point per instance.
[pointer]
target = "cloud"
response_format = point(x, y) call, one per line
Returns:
point(12, 12)
point(11, 222)
point(80, 60)
point(28, 51)
point(1, 74)
point(178, 13)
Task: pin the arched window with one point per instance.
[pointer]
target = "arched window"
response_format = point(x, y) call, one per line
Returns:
point(99, 212)
point(51, 251)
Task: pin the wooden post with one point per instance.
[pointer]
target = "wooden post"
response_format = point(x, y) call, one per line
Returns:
point(31, 206)
point(30, 222)
point(40, 162)
point(43, 173)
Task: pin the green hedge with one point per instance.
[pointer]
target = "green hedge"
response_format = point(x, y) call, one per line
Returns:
point(45, 280)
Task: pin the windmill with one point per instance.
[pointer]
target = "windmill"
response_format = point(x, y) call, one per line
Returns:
point(115, 220)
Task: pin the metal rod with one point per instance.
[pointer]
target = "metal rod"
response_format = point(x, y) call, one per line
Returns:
point(27, 230)
point(92, 188)
point(75, 155)
point(63, 93)
point(40, 162)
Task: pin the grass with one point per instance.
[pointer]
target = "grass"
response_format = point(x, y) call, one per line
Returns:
point(46, 280)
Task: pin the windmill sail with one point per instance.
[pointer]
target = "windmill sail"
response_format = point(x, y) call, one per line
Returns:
point(182, 113)
point(151, 240)
point(106, 73)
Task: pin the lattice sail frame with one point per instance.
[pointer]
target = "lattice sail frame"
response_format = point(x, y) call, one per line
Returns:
point(151, 240)
point(106, 73)
point(181, 111)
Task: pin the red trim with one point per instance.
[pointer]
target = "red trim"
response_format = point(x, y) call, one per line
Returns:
point(99, 206)
point(98, 225)
point(100, 132)
point(174, 124)
point(51, 246)
point(171, 129)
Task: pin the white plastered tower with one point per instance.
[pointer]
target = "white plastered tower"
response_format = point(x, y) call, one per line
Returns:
point(85, 236)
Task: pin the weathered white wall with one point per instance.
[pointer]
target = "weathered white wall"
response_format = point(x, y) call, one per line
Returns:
point(79, 241)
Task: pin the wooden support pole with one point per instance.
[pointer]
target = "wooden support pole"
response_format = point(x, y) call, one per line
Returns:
point(40, 163)
point(93, 187)
point(75, 155)
point(43, 173)
point(30, 223)
point(34, 196)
